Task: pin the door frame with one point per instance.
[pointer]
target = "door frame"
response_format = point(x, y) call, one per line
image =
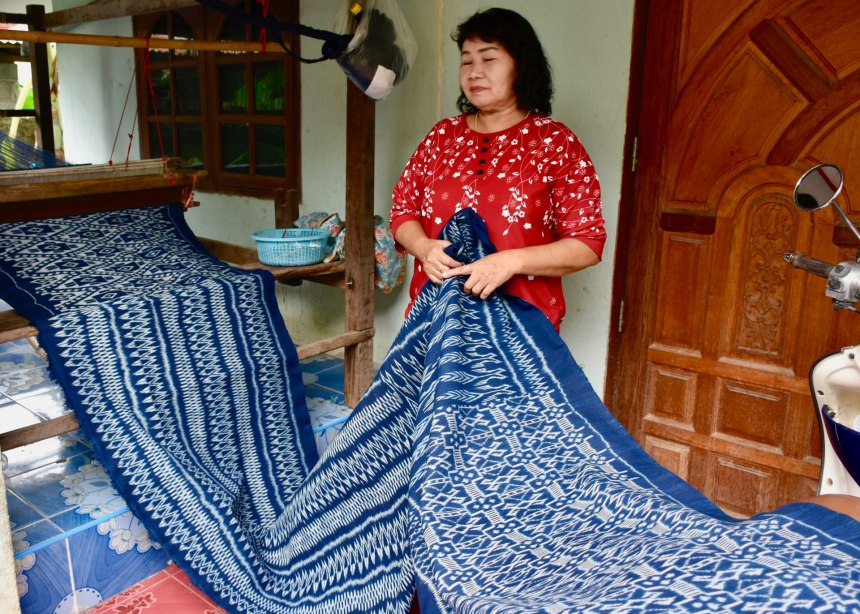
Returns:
point(625, 291)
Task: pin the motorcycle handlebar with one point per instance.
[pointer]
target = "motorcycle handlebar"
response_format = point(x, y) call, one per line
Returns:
point(812, 265)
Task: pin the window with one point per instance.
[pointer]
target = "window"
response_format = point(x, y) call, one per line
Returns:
point(234, 114)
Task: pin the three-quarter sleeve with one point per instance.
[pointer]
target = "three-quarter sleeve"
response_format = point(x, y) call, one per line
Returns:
point(406, 198)
point(577, 206)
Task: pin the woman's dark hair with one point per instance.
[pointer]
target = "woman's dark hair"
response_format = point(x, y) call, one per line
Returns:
point(533, 83)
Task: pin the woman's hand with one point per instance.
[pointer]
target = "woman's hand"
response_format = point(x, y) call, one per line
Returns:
point(489, 273)
point(434, 260)
point(429, 252)
point(555, 259)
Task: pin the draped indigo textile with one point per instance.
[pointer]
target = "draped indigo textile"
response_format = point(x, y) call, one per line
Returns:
point(480, 464)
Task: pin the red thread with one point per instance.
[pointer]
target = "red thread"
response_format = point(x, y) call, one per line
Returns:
point(147, 70)
point(262, 38)
point(119, 124)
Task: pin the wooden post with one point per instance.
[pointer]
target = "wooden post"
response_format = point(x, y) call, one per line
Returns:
point(39, 67)
point(286, 207)
point(360, 135)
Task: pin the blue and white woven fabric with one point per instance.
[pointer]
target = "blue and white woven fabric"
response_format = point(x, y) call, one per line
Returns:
point(182, 374)
point(480, 465)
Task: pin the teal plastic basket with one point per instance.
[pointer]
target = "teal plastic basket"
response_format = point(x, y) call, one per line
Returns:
point(291, 247)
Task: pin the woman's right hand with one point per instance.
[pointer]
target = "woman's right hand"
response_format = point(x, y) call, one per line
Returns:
point(429, 252)
point(434, 260)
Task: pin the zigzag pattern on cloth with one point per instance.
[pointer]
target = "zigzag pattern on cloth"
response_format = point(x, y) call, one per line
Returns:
point(183, 376)
point(480, 465)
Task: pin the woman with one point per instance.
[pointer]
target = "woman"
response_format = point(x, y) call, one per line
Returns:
point(527, 175)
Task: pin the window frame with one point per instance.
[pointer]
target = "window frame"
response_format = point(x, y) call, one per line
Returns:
point(207, 24)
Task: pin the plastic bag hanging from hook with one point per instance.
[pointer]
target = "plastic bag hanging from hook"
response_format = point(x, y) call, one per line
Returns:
point(382, 48)
point(373, 43)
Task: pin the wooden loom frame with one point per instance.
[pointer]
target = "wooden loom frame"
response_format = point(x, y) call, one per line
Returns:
point(355, 275)
point(65, 193)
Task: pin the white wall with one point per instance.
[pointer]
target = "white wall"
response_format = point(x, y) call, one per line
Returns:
point(588, 43)
point(93, 85)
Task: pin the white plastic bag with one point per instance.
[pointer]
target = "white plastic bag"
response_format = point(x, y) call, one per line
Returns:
point(382, 48)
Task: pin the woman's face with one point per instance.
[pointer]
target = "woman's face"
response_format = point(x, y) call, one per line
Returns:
point(487, 73)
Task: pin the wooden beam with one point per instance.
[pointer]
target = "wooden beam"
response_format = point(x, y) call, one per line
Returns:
point(14, 326)
point(286, 207)
point(40, 200)
point(38, 432)
point(100, 40)
point(111, 9)
point(16, 18)
point(343, 340)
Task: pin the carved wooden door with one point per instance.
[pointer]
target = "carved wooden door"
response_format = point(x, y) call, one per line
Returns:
point(717, 333)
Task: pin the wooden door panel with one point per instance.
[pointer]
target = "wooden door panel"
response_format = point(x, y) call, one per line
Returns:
point(719, 333)
point(741, 488)
point(717, 132)
point(751, 415)
point(828, 30)
point(755, 284)
point(707, 22)
point(672, 455)
point(670, 396)
point(682, 293)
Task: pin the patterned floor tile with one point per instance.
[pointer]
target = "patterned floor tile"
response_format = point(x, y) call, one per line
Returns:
point(168, 591)
point(21, 514)
point(42, 488)
point(70, 525)
point(44, 582)
point(331, 378)
point(22, 383)
point(41, 453)
point(47, 404)
point(15, 416)
point(108, 558)
point(18, 354)
point(37, 534)
point(321, 362)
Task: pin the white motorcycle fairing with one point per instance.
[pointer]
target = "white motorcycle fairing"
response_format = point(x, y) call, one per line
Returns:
point(835, 384)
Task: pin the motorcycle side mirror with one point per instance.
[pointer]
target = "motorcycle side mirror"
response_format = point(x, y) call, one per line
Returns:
point(818, 187)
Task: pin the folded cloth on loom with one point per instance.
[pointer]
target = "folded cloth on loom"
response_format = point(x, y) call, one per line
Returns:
point(480, 465)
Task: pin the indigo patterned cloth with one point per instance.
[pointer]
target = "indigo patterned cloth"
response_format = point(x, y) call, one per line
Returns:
point(480, 467)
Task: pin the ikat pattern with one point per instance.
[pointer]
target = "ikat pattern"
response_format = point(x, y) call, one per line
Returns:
point(480, 465)
point(88, 260)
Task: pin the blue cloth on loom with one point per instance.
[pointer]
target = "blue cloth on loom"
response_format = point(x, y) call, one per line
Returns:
point(480, 464)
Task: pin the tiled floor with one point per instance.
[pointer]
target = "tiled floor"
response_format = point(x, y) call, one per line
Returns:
point(77, 545)
point(167, 591)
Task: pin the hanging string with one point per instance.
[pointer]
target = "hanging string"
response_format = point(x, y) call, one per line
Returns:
point(262, 37)
point(147, 71)
point(119, 124)
point(334, 44)
point(131, 137)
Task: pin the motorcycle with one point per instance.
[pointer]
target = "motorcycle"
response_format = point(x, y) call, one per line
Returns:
point(835, 378)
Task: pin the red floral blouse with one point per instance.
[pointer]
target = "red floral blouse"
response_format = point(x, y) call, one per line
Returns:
point(532, 184)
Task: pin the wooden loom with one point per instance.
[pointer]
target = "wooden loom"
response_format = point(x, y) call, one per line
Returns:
point(79, 192)
point(29, 195)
